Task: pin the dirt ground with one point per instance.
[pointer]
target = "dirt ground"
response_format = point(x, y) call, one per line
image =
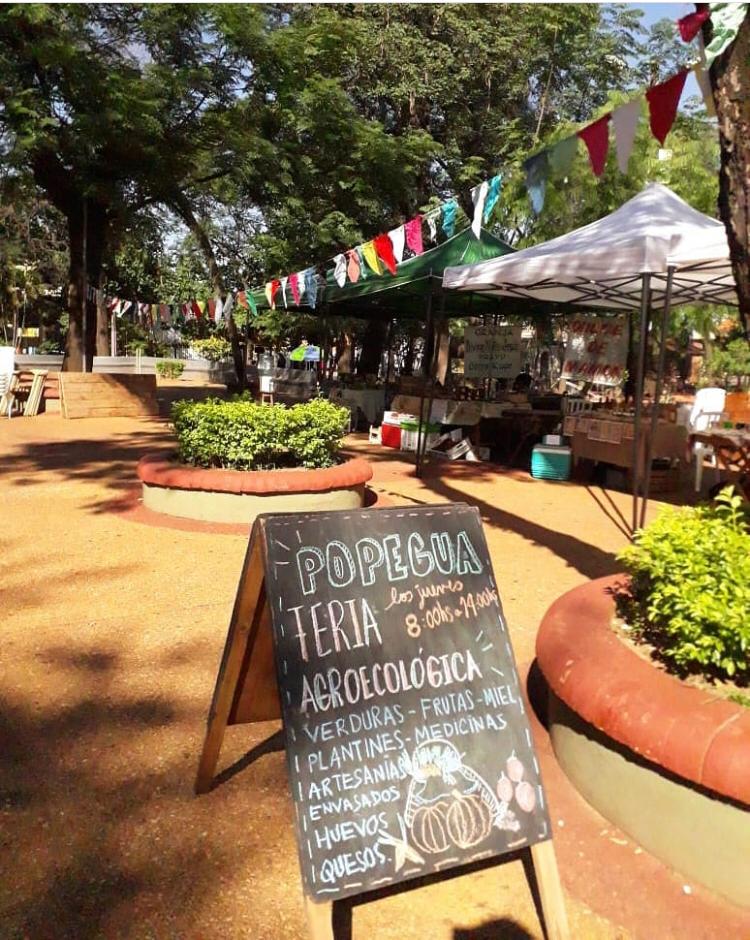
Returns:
point(112, 629)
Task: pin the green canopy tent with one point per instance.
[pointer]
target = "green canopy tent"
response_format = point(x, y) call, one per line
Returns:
point(402, 295)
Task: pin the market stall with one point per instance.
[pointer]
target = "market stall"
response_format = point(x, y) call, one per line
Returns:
point(654, 251)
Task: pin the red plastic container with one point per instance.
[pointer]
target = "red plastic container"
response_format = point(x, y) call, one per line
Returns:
point(391, 435)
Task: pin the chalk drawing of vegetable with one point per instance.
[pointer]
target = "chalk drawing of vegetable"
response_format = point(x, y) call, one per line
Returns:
point(403, 849)
point(448, 803)
point(514, 785)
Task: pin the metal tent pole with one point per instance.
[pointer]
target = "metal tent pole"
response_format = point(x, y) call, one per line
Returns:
point(645, 299)
point(428, 317)
point(657, 391)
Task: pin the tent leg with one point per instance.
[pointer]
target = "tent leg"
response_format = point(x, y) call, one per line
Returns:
point(427, 373)
point(638, 392)
point(657, 392)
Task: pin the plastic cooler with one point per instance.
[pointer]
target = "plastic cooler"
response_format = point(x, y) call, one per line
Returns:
point(550, 463)
point(390, 430)
point(410, 434)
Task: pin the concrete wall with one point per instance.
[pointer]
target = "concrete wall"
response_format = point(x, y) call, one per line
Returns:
point(704, 837)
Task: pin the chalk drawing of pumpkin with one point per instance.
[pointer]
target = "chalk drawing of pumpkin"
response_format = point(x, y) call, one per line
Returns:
point(469, 819)
point(448, 803)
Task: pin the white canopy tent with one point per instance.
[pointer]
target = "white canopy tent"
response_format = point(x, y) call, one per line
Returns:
point(654, 250)
point(602, 264)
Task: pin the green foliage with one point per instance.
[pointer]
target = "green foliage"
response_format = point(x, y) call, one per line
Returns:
point(243, 435)
point(733, 360)
point(690, 593)
point(170, 368)
point(214, 348)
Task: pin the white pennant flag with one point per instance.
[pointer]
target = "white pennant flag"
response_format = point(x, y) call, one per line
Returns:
point(228, 306)
point(431, 220)
point(301, 284)
point(704, 83)
point(398, 240)
point(284, 281)
point(479, 197)
point(625, 122)
point(219, 312)
point(339, 271)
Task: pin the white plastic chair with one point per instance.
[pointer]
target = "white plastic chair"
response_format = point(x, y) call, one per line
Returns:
point(706, 413)
point(7, 391)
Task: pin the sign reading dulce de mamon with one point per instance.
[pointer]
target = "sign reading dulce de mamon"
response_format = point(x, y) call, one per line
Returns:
point(408, 746)
point(597, 349)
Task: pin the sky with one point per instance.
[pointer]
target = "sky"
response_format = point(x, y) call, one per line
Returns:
point(670, 11)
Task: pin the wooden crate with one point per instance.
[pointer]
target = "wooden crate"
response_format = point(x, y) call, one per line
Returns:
point(89, 395)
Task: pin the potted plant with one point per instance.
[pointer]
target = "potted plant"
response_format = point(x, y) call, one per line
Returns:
point(237, 458)
point(648, 676)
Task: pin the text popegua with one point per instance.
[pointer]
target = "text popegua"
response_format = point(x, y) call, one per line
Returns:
point(327, 627)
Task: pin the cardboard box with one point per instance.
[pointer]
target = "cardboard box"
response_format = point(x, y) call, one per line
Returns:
point(449, 449)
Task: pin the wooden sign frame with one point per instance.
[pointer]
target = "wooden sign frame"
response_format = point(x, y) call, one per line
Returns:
point(246, 691)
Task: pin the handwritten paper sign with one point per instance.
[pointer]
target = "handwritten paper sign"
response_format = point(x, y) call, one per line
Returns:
point(408, 745)
point(492, 352)
point(596, 350)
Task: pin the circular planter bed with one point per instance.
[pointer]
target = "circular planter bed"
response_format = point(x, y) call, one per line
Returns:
point(666, 762)
point(240, 495)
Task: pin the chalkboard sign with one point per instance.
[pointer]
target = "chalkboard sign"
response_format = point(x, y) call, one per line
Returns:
point(408, 746)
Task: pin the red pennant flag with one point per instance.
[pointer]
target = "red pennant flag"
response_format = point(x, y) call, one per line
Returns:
point(275, 285)
point(689, 26)
point(413, 230)
point(596, 138)
point(384, 249)
point(197, 312)
point(294, 284)
point(242, 299)
point(662, 104)
point(212, 310)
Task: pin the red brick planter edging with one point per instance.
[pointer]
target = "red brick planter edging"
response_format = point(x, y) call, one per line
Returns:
point(699, 737)
point(154, 470)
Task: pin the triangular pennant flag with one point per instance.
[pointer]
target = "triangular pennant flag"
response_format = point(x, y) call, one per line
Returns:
point(384, 248)
point(536, 179)
point(371, 256)
point(301, 284)
point(211, 309)
point(219, 310)
point(690, 25)
point(269, 296)
point(493, 194)
point(663, 100)
point(197, 310)
point(362, 264)
point(596, 138)
point(353, 267)
point(311, 286)
point(294, 285)
point(228, 306)
point(704, 83)
point(448, 222)
point(431, 220)
point(560, 156)
point(625, 123)
point(283, 282)
point(242, 297)
point(726, 19)
point(339, 269)
point(165, 314)
point(398, 240)
point(413, 229)
point(275, 285)
point(479, 197)
point(125, 305)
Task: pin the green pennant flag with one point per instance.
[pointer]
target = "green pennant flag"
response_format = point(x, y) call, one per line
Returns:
point(561, 155)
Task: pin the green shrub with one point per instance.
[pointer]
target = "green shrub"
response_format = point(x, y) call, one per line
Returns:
point(243, 435)
point(215, 348)
point(170, 368)
point(690, 571)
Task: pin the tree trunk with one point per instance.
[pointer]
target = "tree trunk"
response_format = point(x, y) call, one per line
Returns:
point(181, 205)
point(730, 81)
point(96, 231)
point(373, 343)
point(102, 319)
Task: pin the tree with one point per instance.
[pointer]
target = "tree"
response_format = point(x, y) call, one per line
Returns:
point(730, 82)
